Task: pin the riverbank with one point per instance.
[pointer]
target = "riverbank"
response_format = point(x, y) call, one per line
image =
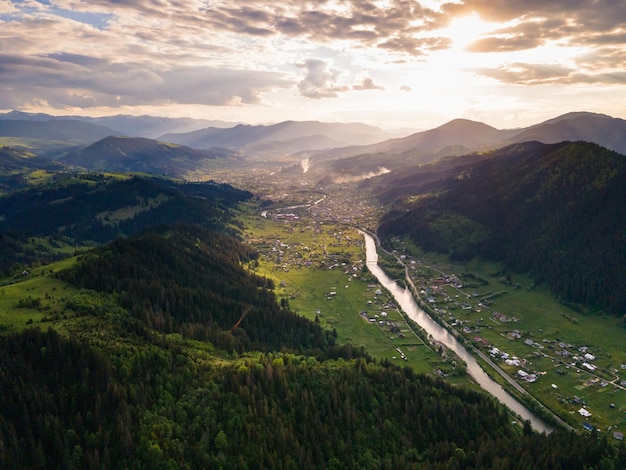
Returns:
point(405, 299)
point(571, 363)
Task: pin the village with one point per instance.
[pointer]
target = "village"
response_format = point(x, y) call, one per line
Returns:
point(570, 373)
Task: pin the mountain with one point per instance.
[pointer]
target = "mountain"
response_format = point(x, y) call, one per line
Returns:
point(85, 209)
point(456, 137)
point(67, 131)
point(601, 129)
point(462, 136)
point(154, 126)
point(122, 124)
point(138, 154)
point(15, 160)
point(554, 210)
point(16, 166)
point(298, 135)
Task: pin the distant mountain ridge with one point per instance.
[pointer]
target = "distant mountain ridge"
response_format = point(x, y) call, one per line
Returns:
point(66, 130)
point(319, 140)
point(132, 154)
point(123, 124)
point(314, 135)
point(461, 136)
point(600, 129)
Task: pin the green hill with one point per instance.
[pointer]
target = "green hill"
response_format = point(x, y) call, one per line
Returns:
point(191, 281)
point(553, 210)
point(137, 154)
point(148, 373)
point(90, 209)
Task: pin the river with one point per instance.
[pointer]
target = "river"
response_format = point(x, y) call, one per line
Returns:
point(407, 302)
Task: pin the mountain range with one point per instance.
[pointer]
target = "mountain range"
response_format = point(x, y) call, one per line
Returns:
point(284, 137)
point(71, 132)
point(461, 136)
point(328, 146)
point(122, 124)
point(132, 154)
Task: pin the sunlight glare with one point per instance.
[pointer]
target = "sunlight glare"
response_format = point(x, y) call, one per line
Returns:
point(466, 29)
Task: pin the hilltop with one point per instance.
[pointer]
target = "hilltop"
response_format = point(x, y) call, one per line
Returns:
point(553, 210)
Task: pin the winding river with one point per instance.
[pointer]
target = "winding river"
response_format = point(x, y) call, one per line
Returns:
point(408, 304)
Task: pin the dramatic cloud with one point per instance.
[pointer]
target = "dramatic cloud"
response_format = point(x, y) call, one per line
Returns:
point(538, 21)
point(238, 56)
point(97, 82)
point(397, 26)
point(529, 74)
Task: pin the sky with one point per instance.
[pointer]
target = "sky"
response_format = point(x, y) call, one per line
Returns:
point(391, 63)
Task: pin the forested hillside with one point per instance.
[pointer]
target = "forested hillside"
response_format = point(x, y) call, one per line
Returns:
point(114, 402)
point(553, 210)
point(138, 154)
point(94, 208)
point(159, 349)
point(16, 166)
point(188, 280)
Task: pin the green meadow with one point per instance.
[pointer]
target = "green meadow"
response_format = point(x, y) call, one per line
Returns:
point(34, 298)
point(319, 269)
point(507, 311)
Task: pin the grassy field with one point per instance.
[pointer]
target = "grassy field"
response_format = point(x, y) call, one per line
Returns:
point(34, 298)
point(523, 321)
point(320, 270)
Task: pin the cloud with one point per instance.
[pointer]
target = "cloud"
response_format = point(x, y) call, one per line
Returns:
point(399, 26)
point(123, 53)
point(320, 80)
point(542, 74)
point(505, 44)
point(365, 82)
point(536, 22)
point(528, 74)
point(74, 80)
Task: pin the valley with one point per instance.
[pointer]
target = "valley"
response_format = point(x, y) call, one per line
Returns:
point(521, 327)
point(245, 278)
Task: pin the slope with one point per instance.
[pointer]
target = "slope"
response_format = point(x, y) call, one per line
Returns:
point(553, 210)
point(598, 128)
point(69, 131)
point(137, 154)
point(86, 209)
point(144, 371)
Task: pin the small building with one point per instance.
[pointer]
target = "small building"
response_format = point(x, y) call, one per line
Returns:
point(584, 413)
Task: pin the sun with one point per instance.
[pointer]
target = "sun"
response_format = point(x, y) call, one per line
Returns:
point(464, 30)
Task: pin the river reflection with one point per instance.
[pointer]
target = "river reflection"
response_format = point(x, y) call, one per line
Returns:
point(408, 304)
